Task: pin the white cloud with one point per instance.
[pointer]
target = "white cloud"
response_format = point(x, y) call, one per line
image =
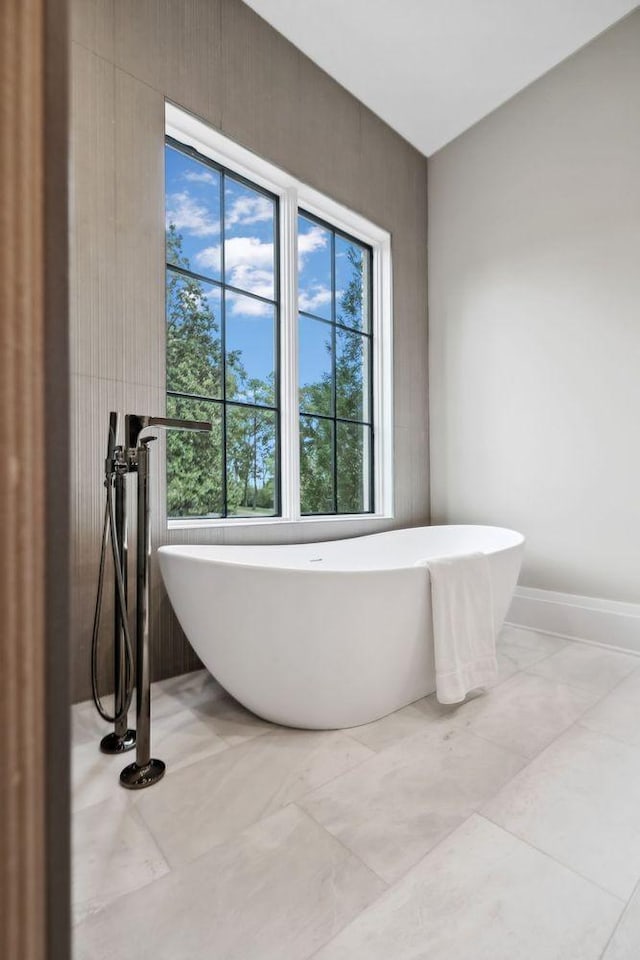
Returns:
point(247, 210)
point(247, 251)
point(249, 266)
point(203, 176)
point(315, 295)
point(309, 242)
point(247, 307)
point(190, 216)
point(209, 258)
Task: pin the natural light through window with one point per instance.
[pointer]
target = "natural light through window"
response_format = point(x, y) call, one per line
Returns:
point(279, 333)
point(334, 370)
point(222, 358)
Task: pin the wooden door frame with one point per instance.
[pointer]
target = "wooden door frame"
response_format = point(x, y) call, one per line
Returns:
point(34, 512)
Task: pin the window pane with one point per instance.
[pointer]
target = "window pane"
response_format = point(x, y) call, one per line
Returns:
point(315, 366)
point(193, 336)
point(251, 349)
point(249, 248)
point(314, 268)
point(353, 477)
point(352, 375)
point(251, 458)
point(316, 465)
point(194, 461)
point(352, 284)
point(192, 214)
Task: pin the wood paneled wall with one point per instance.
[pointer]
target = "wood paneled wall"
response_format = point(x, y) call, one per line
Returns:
point(34, 917)
point(221, 61)
point(22, 540)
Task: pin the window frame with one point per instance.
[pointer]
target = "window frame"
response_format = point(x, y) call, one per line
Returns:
point(295, 196)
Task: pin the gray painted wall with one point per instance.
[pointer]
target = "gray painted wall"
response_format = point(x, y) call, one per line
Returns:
point(534, 298)
point(222, 62)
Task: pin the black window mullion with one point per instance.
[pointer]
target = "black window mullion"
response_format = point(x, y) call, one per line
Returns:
point(326, 416)
point(193, 396)
point(192, 275)
point(340, 326)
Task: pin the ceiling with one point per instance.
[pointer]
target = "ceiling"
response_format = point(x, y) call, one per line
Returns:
point(432, 68)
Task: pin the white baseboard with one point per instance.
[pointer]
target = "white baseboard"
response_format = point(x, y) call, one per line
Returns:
point(607, 623)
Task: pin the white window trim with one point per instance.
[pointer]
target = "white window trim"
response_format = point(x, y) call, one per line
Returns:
point(292, 194)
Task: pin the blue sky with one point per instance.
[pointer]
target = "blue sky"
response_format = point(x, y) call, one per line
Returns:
point(193, 204)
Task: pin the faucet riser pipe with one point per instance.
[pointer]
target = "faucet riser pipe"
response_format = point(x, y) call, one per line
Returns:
point(118, 658)
point(145, 771)
point(143, 559)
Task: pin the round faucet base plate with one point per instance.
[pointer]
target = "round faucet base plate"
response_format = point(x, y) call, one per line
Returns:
point(135, 777)
point(113, 743)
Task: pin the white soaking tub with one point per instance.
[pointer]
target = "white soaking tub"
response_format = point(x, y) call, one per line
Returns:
point(325, 635)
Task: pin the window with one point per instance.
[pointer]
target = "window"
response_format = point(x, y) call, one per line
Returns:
point(222, 335)
point(334, 370)
point(279, 333)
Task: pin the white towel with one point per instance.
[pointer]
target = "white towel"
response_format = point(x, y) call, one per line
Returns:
point(463, 628)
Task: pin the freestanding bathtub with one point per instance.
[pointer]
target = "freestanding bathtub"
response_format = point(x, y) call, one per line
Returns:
point(326, 635)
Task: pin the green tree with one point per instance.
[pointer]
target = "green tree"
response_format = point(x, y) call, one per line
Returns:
point(195, 483)
point(250, 451)
point(316, 435)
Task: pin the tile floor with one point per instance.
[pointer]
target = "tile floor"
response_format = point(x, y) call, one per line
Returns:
point(507, 827)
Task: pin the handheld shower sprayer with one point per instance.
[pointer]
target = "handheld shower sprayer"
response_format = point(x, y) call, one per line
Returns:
point(132, 457)
point(121, 738)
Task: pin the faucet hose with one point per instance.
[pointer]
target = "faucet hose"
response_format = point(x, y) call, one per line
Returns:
point(109, 533)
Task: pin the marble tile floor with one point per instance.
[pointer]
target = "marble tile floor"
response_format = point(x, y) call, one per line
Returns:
point(506, 827)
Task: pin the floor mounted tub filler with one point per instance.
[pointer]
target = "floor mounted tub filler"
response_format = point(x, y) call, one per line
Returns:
point(326, 635)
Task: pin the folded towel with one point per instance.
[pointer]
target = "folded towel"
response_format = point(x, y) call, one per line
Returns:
point(463, 629)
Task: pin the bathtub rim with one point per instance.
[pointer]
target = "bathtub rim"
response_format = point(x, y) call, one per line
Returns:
point(188, 551)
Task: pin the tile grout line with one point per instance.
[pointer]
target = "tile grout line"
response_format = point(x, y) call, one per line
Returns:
point(501, 683)
point(607, 736)
point(348, 850)
point(623, 914)
point(575, 723)
point(605, 733)
point(390, 887)
point(527, 760)
point(475, 810)
point(263, 815)
point(130, 811)
point(428, 720)
point(583, 689)
point(582, 641)
point(475, 813)
point(559, 863)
